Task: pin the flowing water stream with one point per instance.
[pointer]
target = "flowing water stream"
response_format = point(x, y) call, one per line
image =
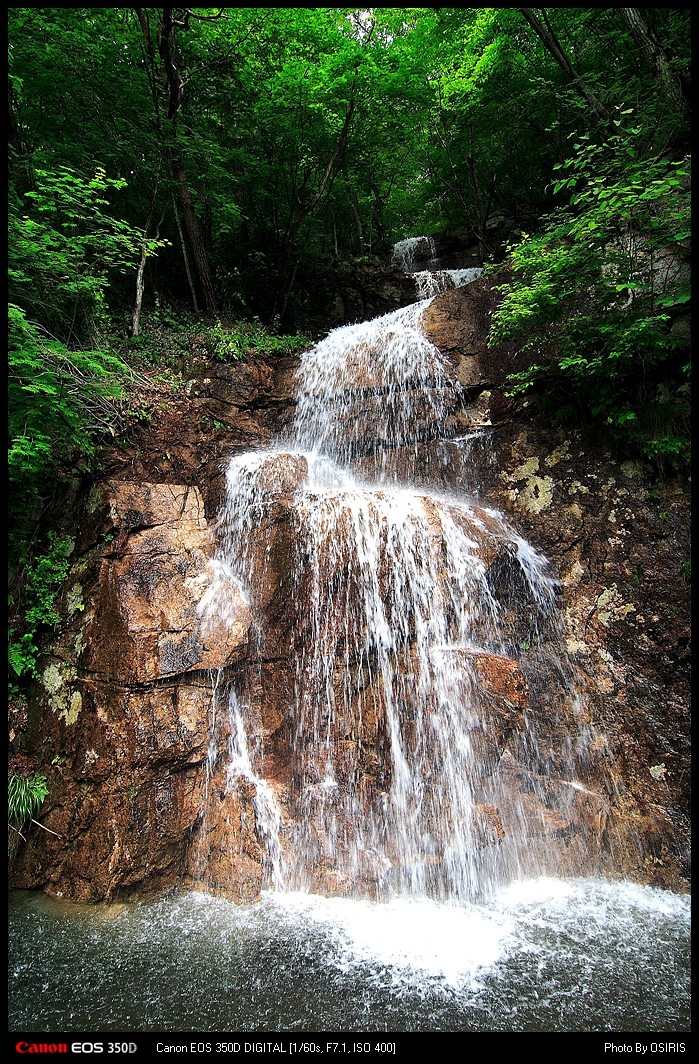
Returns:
point(404, 890)
point(406, 687)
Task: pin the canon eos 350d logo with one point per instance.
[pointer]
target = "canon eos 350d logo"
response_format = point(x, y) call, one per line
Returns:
point(82, 1048)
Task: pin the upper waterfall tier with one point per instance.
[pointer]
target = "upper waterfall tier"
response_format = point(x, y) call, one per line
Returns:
point(371, 386)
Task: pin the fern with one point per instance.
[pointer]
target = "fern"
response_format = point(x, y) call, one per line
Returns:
point(22, 654)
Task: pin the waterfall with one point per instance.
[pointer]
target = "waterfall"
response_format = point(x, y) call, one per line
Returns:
point(406, 251)
point(398, 776)
point(373, 388)
point(429, 282)
point(416, 621)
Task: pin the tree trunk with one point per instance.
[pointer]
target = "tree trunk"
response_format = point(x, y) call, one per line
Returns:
point(140, 283)
point(195, 240)
point(653, 53)
point(136, 314)
point(354, 205)
point(185, 257)
point(377, 225)
point(544, 31)
point(166, 50)
point(482, 204)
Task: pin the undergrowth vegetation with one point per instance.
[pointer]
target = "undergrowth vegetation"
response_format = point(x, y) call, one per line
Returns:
point(25, 796)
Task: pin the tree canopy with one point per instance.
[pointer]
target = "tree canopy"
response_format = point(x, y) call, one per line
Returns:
point(284, 136)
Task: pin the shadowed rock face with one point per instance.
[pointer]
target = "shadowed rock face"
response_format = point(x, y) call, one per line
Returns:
point(137, 750)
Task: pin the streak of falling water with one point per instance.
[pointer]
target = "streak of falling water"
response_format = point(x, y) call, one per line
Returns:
point(431, 282)
point(382, 596)
point(397, 619)
point(267, 816)
point(406, 251)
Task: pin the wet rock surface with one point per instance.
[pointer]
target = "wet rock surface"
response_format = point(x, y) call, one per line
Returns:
point(619, 539)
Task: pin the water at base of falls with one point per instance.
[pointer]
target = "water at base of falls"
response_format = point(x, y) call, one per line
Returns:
point(540, 956)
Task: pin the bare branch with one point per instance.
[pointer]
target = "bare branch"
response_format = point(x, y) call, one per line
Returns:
point(44, 828)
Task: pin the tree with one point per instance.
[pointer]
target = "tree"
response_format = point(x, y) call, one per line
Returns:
point(541, 25)
point(593, 296)
point(674, 86)
point(64, 247)
point(268, 144)
point(171, 20)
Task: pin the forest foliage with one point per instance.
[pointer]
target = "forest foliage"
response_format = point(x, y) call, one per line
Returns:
point(220, 162)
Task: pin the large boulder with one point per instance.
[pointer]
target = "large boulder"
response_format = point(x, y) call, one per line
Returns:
point(126, 727)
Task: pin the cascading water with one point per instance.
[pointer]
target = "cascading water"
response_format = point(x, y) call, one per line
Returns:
point(429, 282)
point(405, 252)
point(406, 684)
point(404, 756)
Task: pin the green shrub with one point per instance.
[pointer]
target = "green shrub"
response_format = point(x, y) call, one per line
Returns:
point(236, 340)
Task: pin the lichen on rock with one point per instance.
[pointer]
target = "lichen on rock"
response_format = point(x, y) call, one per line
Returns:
point(611, 607)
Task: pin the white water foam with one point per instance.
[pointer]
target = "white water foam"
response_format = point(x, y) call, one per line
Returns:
point(542, 956)
point(411, 939)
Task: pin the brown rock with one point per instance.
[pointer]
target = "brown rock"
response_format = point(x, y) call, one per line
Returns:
point(151, 581)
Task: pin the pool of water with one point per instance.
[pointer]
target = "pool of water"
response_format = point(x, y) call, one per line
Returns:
point(544, 955)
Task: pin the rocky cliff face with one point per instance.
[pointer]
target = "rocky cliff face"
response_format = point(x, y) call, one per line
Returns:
point(128, 730)
point(621, 544)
